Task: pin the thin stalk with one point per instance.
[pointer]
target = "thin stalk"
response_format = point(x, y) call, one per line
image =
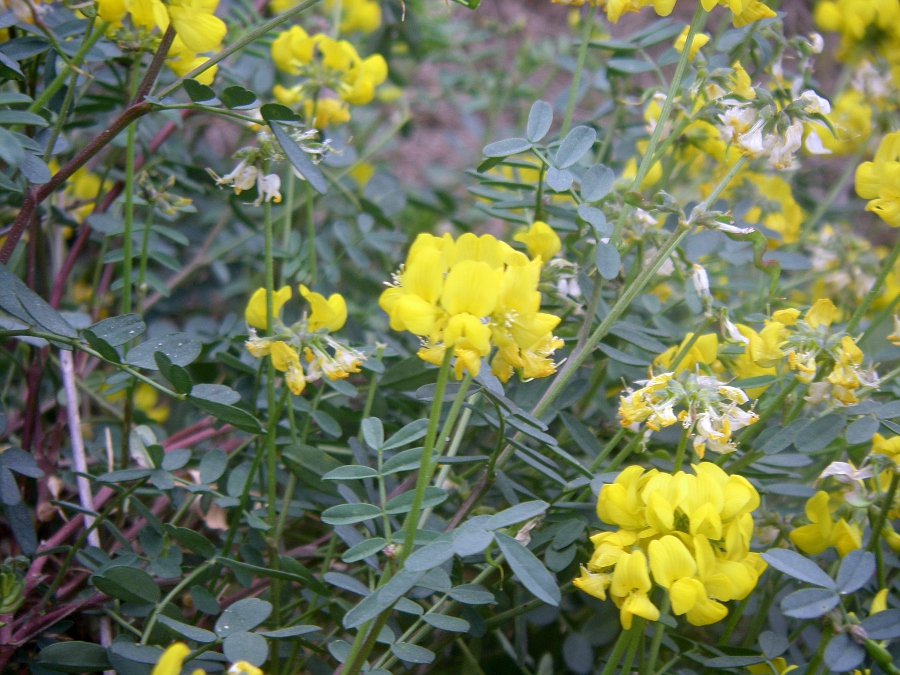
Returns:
point(619, 647)
point(771, 409)
point(271, 450)
point(637, 630)
point(586, 31)
point(886, 268)
point(623, 454)
point(129, 206)
point(690, 343)
point(658, 632)
point(142, 266)
point(424, 474)
point(311, 234)
point(184, 583)
point(836, 189)
point(614, 441)
point(290, 183)
point(886, 506)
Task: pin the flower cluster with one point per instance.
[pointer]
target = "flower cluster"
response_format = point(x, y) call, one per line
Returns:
point(325, 65)
point(691, 532)
point(474, 293)
point(197, 29)
point(309, 337)
point(879, 180)
point(708, 409)
point(865, 27)
point(745, 11)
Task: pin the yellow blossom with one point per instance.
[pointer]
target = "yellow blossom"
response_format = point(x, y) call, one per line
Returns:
point(255, 313)
point(700, 39)
point(287, 361)
point(330, 314)
point(822, 531)
point(822, 313)
point(540, 240)
point(171, 660)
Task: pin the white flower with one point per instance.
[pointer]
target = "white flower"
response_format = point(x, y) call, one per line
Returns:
point(737, 120)
point(268, 188)
point(781, 149)
point(734, 333)
point(846, 473)
point(816, 43)
point(701, 282)
point(243, 177)
point(813, 143)
point(816, 104)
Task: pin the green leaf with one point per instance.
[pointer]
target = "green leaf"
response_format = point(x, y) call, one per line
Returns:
point(629, 66)
point(861, 430)
point(123, 475)
point(199, 93)
point(373, 432)
point(797, 566)
point(10, 150)
point(883, 625)
point(212, 466)
point(22, 117)
point(754, 382)
point(595, 218)
point(596, 183)
point(843, 654)
point(190, 632)
point(819, 433)
point(410, 653)
point(175, 459)
point(809, 603)
point(244, 646)
point(430, 556)
point(73, 657)
point(327, 423)
point(472, 594)
point(364, 549)
point(857, 568)
point(117, 330)
point(128, 584)
point(244, 615)
point(236, 417)
point(238, 97)
point(289, 632)
point(773, 645)
point(540, 117)
point(406, 460)
point(348, 514)
point(408, 434)
point(574, 146)
point(531, 572)
point(351, 472)
point(176, 375)
point(559, 180)
point(622, 357)
point(296, 156)
point(277, 112)
point(450, 624)
point(608, 260)
point(180, 348)
point(725, 662)
point(403, 503)
point(507, 147)
point(26, 305)
point(516, 514)
point(195, 542)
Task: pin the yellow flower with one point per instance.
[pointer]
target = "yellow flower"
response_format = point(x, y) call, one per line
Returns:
point(822, 313)
point(328, 112)
point(182, 61)
point(879, 602)
point(592, 583)
point(171, 660)
point(704, 350)
point(851, 117)
point(822, 531)
point(255, 314)
point(745, 11)
point(700, 39)
point(291, 49)
point(330, 314)
point(244, 668)
point(879, 181)
point(146, 399)
point(630, 586)
point(541, 240)
point(780, 665)
point(287, 361)
point(196, 24)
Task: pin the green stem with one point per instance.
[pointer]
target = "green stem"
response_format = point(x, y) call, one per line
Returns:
point(579, 68)
point(142, 268)
point(836, 189)
point(614, 441)
point(775, 406)
point(184, 583)
point(623, 454)
point(129, 205)
point(311, 234)
point(886, 268)
point(697, 22)
point(271, 450)
point(690, 343)
point(424, 475)
point(637, 631)
point(886, 506)
point(60, 79)
point(290, 183)
point(658, 632)
point(622, 642)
